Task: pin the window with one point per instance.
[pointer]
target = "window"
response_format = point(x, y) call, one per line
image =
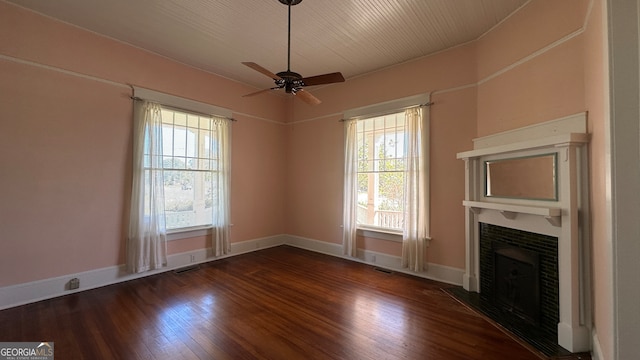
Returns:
point(185, 155)
point(381, 171)
point(386, 168)
point(190, 160)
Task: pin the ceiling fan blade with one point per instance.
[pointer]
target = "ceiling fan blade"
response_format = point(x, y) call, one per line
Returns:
point(261, 70)
point(323, 79)
point(307, 97)
point(260, 92)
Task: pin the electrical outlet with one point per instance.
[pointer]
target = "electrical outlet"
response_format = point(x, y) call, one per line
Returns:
point(192, 258)
point(74, 283)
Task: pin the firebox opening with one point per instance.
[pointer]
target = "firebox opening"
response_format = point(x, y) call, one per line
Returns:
point(510, 261)
point(516, 282)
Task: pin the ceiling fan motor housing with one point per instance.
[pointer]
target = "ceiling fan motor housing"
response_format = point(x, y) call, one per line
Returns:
point(291, 81)
point(290, 2)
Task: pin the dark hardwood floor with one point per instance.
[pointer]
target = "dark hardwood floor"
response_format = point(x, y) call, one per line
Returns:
point(278, 303)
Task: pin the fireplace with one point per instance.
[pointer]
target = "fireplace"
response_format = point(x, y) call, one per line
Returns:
point(519, 276)
point(532, 237)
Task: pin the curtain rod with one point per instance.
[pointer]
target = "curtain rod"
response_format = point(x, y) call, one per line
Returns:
point(393, 111)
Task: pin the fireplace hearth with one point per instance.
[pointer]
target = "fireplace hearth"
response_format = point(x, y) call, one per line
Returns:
point(519, 287)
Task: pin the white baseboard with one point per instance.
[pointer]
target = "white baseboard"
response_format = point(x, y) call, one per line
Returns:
point(446, 274)
point(315, 245)
point(596, 350)
point(20, 294)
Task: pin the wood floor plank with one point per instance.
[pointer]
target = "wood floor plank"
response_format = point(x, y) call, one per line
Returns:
point(277, 303)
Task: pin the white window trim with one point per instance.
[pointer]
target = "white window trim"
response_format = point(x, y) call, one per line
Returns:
point(379, 233)
point(383, 234)
point(185, 105)
point(185, 233)
point(181, 103)
point(375, 110)
point(380, 109)
point(191, 232)
point(387, 107)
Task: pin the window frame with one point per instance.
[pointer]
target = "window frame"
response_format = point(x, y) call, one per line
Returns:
point(381, 109)
point(369, 172)
point(188, 106)
point(197, 156)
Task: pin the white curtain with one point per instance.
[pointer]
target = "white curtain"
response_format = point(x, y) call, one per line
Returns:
point(147, 241)
point(350, 204)
point(416, 217)
point(221, 183)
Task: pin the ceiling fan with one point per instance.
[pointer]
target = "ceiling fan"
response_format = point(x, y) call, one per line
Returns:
point(290, 81)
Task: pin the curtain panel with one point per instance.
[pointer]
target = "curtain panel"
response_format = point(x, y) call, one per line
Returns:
point(416, 203)
point(147, 241)
point(221, 186)
point(350, 205)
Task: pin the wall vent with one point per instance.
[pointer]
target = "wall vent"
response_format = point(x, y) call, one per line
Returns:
point(186, 268)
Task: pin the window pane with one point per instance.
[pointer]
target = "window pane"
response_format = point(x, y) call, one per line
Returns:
point(179, 119)
point(188, 161)
point(192, 145)
point(205, 123)
point(390, 191)
point(187, 198)
point(170, 162)
point(381, 171)
point(192, 121)
point(167, 140)
point(179, 137)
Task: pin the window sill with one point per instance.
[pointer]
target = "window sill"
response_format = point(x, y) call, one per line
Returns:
point(382, 234)
point(385, 234)
point(178, 234)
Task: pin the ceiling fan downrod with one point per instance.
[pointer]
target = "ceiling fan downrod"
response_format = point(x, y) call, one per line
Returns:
point(292, 82)
point(289, 4)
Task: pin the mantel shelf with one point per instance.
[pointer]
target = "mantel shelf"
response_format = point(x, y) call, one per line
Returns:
point(548, 141)
point(509, 211)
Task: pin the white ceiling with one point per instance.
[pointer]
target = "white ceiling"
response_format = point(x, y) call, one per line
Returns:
point(351, 36)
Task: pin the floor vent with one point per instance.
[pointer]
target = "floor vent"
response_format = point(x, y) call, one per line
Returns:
point(386, 271)
point(185, 269)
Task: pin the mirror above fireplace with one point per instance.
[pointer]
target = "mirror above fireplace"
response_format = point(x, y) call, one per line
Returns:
point(530, 177)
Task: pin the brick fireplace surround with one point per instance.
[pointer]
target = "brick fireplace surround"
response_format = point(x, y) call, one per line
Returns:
point(564, 217)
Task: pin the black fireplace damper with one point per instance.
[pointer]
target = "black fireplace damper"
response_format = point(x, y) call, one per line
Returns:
point(516, 282)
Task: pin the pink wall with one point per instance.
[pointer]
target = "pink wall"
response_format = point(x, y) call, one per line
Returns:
point(480, 88)
point(65, 149)
point(65, 190)
point(314, 178)
point(452, 128)
point(315, 166)
point(65, 141)
point(531, 67)
point(540, 24)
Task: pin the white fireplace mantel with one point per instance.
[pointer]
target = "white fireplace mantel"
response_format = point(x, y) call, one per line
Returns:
point(565, 217)
point(552, 214)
